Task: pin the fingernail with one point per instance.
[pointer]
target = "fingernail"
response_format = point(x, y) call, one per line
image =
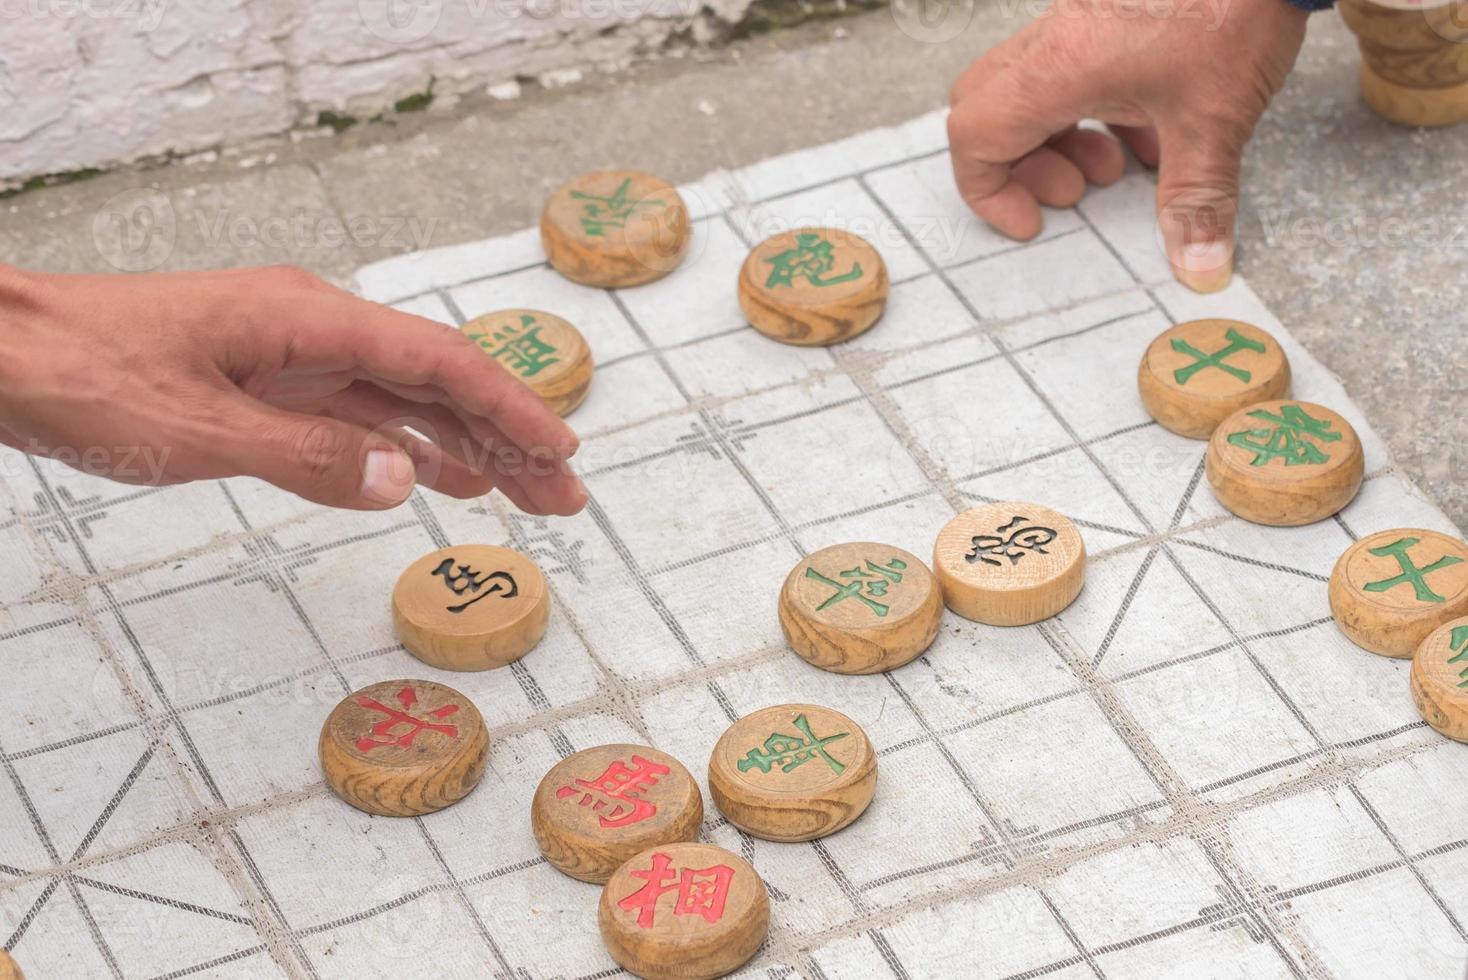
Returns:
point(388, 476)
point(1205, 268)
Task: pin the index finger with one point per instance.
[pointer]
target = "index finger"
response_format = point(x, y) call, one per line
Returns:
point(343, 332)
point(1004, 107)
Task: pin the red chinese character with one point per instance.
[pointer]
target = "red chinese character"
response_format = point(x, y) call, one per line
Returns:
point(701, 891)
point(620, 785)
point(407, 697)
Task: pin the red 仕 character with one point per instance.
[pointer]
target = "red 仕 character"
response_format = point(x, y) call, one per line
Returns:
point(701, 891)
point(382, 731)
point(621, 785)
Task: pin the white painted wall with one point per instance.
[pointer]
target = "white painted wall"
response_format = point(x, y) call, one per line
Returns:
point(87, 83)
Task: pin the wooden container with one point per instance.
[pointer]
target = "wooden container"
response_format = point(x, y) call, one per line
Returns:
point(1414, 59)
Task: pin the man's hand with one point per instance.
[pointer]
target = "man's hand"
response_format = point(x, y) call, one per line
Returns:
point(1182, 83)
point(269, 373)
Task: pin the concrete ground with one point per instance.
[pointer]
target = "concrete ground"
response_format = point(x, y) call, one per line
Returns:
point(1326, 181)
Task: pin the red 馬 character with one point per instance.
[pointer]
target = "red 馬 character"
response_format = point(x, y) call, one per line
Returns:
point(620, 785)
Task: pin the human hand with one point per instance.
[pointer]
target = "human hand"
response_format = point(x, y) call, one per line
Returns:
point(270, 373)
point(1181, 84)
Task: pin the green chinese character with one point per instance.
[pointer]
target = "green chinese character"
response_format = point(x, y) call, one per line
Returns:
point(1459, 642)
point(602, 213)
point(791, 750)
point(519, 347)
point(812, 257)
point(1237, 342)
point(874, 579)
point(1417, 577)
point(1289, 439)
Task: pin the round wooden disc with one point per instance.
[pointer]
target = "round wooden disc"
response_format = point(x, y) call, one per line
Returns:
point(470, 607)
point(793, 772)
point(1440, 679)
point(860, 608)
point(403, 748)
point(1197, 374)
point(540, 349)
point(614, 228)
point(1392, 588)
point(1009, 564)
point(813, 286)
point(8, 968)
point(683, 912)
point(598, 807)
point(1285, 463)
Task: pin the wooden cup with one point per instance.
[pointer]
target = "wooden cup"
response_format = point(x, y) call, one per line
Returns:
point(1414, 59)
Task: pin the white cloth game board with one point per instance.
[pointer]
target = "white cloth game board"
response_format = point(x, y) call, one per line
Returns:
point(1188, 773)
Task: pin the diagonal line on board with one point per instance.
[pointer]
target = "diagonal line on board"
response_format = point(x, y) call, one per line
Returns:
point(215, 963)
point(1245, 560)
point(163, 900)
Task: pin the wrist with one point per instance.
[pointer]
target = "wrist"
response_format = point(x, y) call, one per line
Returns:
point(19, 303)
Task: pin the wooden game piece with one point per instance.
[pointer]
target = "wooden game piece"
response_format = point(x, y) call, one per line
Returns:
point(1414, 59)
point(614, 228)
point(683, 912)
point(540, 349)
point(1285, 463)
point(8, 968)
point(600, 806)
point(793, 772)
point(813, 286)
point(470, 607)
point(403, 748)
point(860, 608)
point(1440, 679)
point(1009, 564)
point(1391, 589)
point(1196, 374)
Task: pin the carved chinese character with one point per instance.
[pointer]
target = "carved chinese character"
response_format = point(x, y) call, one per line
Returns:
point(701, 891)
point(618, 789)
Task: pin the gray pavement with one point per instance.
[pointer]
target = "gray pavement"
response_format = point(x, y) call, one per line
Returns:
point(1353, 232)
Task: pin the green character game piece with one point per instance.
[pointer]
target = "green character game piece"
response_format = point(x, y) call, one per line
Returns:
point(792, 750)
point(874, 579)
point(612, 211)
point(520, 348)
point(1237, 342)
point(1458, 643)
point(1288, 439)
point(1411, 574)
point(811, 258)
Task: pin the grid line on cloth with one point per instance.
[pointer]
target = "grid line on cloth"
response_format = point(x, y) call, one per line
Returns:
point(662, 621)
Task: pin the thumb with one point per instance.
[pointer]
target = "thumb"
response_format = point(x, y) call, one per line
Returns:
point(1198, 205)
point(324, 460)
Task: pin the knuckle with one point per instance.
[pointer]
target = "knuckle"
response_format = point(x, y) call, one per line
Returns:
point(292, 277)
point(317, 448)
